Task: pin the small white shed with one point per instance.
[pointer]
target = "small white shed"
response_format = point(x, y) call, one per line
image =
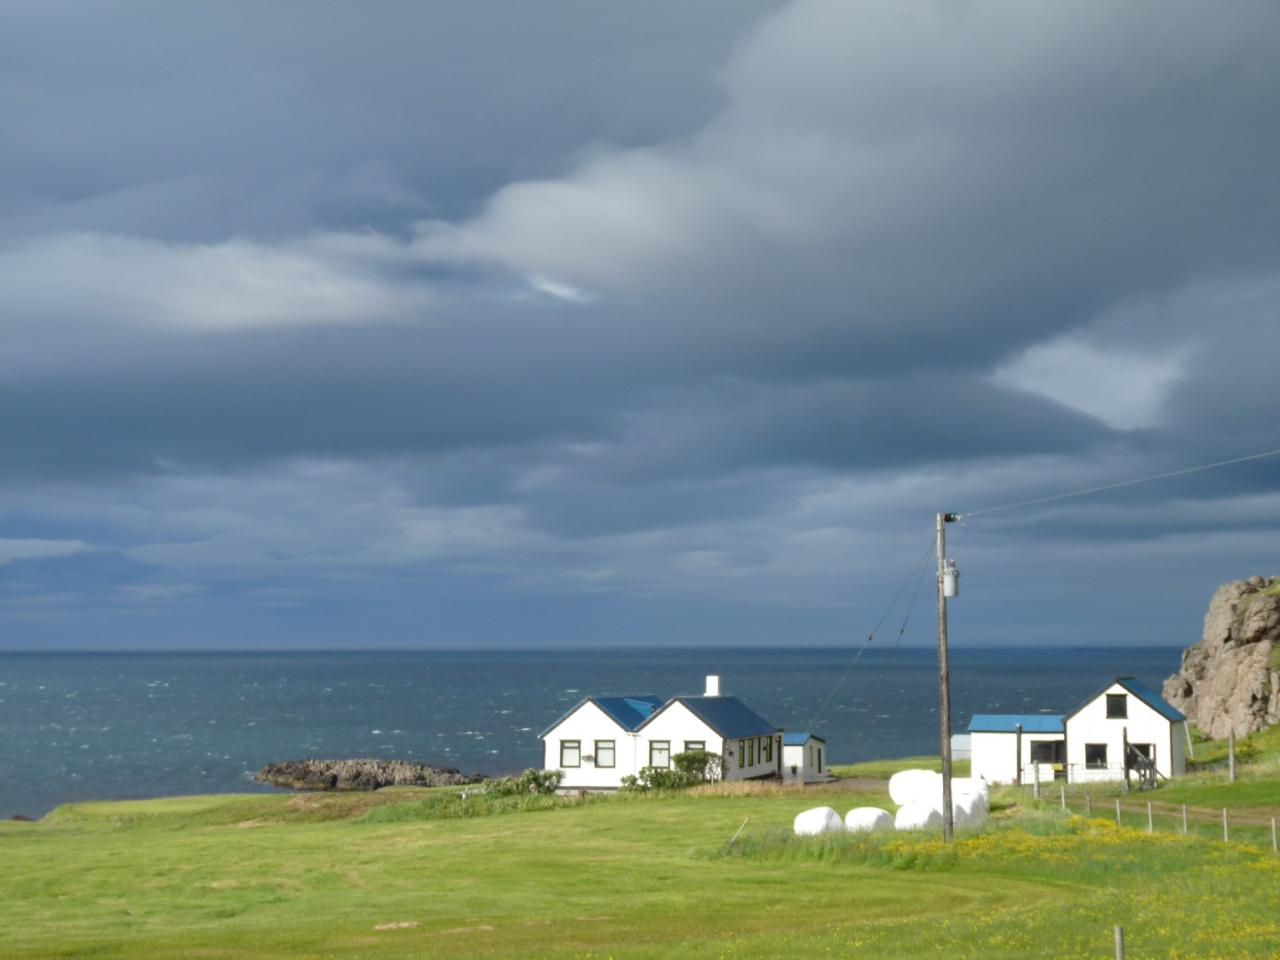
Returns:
point(804, 758)
point(1008, 747)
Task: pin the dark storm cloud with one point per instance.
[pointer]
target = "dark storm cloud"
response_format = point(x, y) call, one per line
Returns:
point(716, 301)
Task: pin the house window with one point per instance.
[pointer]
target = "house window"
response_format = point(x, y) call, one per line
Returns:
point(659, 753)
point(1117, 706)
point(819, 759)
point(691, 745)
point(604, 753)
point(751, 753)
point(1143, 748)
point(768, 749)
point(742, 754)
point(1095, 755)
point(1046, 751)
point(570, 753)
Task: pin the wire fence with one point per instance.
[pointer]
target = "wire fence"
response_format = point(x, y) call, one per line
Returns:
point(1140, 811)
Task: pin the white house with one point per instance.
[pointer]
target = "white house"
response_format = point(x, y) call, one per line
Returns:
point(1006, 747)
point(804, 758)
point(603, 739)
point(1124, 711)
point(1083, 746)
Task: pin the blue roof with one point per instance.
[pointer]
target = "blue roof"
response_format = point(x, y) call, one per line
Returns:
point(727, 716)
point(1150, 698)
point(1008, 722)
point(630, 712)
point(627, 712)
point(799, 738)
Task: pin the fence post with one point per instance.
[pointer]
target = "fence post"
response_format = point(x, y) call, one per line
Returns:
point(1119, 942)
point(1117, 811)
point(1088, 805)
point(1036, 791)
point(1274, 847)
point(1226, 833)
point(1062, 791)
point(1231, 753)
point(1150, 823)
point(1184, 819)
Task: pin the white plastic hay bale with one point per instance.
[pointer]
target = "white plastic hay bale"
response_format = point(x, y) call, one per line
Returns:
point(975, 810)
point(816, 821)
point(917, 816)
point(971, 785)
point(868, 820)
point(914, 786)
point(959, 812)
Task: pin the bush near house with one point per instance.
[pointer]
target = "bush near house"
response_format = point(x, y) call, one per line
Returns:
point(688, 770)
point(531, 781)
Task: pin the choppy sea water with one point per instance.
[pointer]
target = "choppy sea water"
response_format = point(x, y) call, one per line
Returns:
point(112, 725)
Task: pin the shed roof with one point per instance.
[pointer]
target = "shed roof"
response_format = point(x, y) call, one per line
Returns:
point(1008, 723)
point(1143, 693)
point(627, 712)
point(729, 717)
point(798, 738)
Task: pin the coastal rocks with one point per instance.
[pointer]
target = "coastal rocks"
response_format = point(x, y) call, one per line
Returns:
point(362, 774)
point(1230, 680)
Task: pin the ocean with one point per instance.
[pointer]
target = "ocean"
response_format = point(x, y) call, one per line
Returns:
point(119, 725)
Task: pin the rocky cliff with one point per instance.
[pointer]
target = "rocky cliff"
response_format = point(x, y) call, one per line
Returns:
point(365, 774)
point(1231, 678)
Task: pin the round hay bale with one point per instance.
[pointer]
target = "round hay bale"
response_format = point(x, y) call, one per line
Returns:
point(868, 820)
point(917, 816)
point(914, 786)
point(816, 821)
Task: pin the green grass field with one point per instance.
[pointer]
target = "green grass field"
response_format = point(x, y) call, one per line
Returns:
point(419, 873)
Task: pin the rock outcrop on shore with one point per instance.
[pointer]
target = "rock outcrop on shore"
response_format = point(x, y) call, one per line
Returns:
point(1230, 680)
point(361, 774)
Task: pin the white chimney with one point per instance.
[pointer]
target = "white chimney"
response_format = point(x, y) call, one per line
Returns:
point(713, 686)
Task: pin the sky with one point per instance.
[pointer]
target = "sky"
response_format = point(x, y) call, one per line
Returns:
point(501, 324)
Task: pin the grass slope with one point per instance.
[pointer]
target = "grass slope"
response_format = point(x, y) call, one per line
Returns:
point(626, 877)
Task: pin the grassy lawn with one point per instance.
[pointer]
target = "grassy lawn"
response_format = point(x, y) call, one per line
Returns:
point(319, 875)
point(884, 769)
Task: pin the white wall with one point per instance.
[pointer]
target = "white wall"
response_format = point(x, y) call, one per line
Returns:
point(1144, 725)
point(587, 724)
point(805, 760)
point(994, 756)
point(676, 725)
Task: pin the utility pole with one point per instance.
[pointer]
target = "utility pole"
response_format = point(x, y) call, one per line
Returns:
point(946, 587)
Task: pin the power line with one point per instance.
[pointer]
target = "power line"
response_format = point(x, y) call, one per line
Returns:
point(874, 630)
point(1124, 483)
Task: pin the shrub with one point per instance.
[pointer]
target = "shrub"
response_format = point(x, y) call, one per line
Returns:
point(700, 765)
point(531, 781)
point(690, 769)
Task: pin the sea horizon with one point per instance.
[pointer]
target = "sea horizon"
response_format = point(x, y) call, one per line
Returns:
point(135, 724)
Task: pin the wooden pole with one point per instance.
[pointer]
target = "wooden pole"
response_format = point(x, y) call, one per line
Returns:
point(1150, 822)
point(1184, 819)
point(1088, 805)
point(1117, 811)
point(1035, 768)
point(944, 683)
point(1062, 793)
point(1119, 942)
point(1274, 847)
point(1231, 754)
point(1226, 833)
point(1125, 734)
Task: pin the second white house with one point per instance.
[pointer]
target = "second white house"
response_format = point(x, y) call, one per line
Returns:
point(1124, 728)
